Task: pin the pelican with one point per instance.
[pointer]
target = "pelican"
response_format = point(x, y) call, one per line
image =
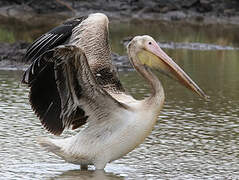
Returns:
point(73, 84)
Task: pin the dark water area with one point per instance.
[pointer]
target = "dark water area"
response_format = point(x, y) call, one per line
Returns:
point(193, 138)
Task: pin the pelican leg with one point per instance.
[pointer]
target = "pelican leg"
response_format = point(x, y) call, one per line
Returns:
point(84, 167)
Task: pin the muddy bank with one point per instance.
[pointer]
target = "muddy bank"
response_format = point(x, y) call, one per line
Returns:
point(195, 11)
point(11, 57)
point(11, 54)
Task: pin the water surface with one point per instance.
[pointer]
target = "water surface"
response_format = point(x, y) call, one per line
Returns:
point(193, 138)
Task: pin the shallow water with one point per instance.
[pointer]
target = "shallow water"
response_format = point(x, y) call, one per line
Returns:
point(193, 138)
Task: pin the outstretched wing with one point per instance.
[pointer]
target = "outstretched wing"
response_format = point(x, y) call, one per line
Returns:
point(57, 36)
point(44, 96)
point(80, 94)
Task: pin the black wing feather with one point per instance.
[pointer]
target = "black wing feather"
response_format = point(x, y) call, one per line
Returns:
point(40, 77)
point(57, 36)
point(45, 101)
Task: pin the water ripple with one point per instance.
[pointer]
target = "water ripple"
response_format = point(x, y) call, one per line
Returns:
point(192, 139)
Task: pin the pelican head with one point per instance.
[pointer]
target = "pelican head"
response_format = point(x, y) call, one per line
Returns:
point(144, 50)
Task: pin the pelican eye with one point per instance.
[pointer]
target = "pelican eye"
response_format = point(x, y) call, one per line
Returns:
point(150, 42)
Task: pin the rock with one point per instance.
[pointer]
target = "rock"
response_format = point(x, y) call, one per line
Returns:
point(17, 12)
point(228, 11)
point(176, 15)
point(205, 6)
point(188, 3)
point(13, 52)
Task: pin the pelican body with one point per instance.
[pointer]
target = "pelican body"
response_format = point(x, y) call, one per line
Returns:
point(73, 83)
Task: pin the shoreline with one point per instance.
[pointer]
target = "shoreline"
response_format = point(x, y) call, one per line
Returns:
point(194, 12)
point(11, 53)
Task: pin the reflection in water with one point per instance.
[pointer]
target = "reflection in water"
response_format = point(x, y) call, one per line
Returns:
point(90, 174)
